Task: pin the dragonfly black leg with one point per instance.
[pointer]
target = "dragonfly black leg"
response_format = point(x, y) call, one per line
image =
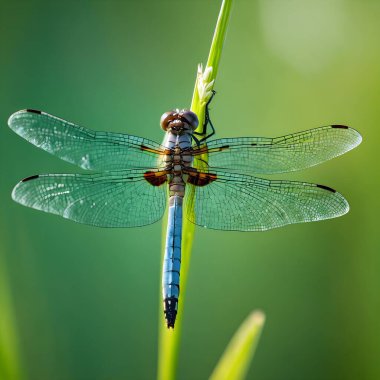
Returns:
point(196, 140)
point(206, 123)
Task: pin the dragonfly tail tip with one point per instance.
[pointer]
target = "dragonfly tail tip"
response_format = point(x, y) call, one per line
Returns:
point(170, 311)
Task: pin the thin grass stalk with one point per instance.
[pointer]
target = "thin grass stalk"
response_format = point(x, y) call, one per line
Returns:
point(169, 340)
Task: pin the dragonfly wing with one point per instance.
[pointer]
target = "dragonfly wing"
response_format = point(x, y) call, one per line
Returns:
point(229, 201)
point(112, 199)
point(84, 147)
point(260, 155)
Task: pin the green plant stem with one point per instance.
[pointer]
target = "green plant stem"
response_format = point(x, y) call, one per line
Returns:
point(213, 57)
point(169, 340)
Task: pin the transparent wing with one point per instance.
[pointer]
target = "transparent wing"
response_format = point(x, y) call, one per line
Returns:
point(84, 147)
point(112, 199)
point(244, 203)
point(260, 155)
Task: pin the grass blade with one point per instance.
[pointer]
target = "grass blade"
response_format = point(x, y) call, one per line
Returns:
point(10, 364)
point(234, 363)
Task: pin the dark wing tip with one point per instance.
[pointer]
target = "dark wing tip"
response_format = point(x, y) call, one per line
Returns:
point(30, 178)
point(18, 194)
point(15, 115)
point(326, 188)
point(339, 126)
point(355, 136)
point(33, 111)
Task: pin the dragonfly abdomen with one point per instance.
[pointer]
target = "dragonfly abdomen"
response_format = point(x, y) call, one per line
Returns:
point(172, 260)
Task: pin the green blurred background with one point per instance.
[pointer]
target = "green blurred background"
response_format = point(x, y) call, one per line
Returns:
point(78, 302)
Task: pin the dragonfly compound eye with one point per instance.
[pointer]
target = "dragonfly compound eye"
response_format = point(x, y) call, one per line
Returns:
point(166, 118)
point(191, 118)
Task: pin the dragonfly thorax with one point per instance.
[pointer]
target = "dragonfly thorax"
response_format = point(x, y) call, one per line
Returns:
point(178, 159)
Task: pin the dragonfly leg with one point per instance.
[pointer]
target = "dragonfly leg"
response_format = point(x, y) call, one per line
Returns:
point(196, 140)
point(206, 123)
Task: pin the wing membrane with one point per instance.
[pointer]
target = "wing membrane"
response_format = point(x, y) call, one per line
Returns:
point(112, 199)
point(260, 155)
point(245, 203)
point(84, 147)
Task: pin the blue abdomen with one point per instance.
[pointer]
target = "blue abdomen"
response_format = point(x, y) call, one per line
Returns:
point(172, 260)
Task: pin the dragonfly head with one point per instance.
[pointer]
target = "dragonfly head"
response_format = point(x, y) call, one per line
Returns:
point(179, 121)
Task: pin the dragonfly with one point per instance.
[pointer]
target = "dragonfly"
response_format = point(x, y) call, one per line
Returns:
point(216, 181)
